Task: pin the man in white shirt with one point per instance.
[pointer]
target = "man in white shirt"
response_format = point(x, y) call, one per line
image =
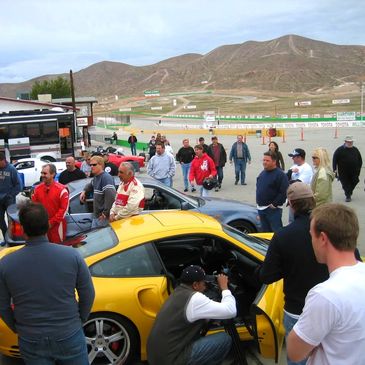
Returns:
point(331, 329)
point(301, 170)
point(175, 336)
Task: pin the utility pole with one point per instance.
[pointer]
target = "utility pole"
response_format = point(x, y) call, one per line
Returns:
point(74, 129)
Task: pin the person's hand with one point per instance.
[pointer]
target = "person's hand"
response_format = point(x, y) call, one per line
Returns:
point(102, 217)
point(210, 176)
point(249, 162)
point(82, 197)
point(272, 206)
point(295, 169)
point(222, 281)
point(112, 217)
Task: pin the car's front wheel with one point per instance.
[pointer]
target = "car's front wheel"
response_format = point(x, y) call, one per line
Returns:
point(243, 226)
point(110, 339)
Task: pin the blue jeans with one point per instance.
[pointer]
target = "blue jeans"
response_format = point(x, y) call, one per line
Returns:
point(167, 181)
point(270, 219)
point(289, 323)
point(219, 174)
point(240, 169)
point(71, 350)
point(204, 192)
point(96, 223)
point(133, 149)
point(210, 350)
point(185, 168)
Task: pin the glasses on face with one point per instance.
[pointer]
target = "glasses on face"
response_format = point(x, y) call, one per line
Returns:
point(93, 164)
point(315, 157)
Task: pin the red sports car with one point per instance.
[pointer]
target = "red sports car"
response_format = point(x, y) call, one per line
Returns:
point(118, 159)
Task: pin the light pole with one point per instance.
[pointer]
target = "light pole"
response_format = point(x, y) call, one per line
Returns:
point(362, 101)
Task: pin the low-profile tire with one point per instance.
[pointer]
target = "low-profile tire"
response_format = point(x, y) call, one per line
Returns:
point(111, 339)
point(243, 226)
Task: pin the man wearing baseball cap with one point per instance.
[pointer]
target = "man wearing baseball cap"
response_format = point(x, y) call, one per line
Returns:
point(347, 163)
point(175, 336)
point(301, 170)
point(290, 256)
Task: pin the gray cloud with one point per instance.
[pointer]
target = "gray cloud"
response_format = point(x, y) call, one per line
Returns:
point(41, 37)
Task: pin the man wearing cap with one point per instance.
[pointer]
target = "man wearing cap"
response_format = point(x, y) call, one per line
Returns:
point(218, 154)
point(347, 163)
point(301, 170)
point(290, 256)
point(175, 336)
point(202, 143)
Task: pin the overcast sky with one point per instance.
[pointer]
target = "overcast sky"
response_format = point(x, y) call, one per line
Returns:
point(40, 37)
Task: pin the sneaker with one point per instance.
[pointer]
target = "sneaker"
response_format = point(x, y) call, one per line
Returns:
point(185, 190)
point(243, 184)
point(193, 190)
point(2, 243)
point(348, 199)
point(217, 188)
point(236, 182)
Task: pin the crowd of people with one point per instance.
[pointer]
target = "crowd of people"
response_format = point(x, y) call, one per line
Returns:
point(315, 254)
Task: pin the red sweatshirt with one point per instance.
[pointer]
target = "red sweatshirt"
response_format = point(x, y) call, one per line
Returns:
point(201, 168)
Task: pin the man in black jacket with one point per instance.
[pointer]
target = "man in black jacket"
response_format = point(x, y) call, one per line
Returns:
point(185, 155)
point(347, 163)
point(218, 154)
point(291, 257)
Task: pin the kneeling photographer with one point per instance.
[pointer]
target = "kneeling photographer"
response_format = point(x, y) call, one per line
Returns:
point(176, 338)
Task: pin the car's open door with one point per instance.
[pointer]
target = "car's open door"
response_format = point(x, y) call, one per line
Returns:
point(267, 313)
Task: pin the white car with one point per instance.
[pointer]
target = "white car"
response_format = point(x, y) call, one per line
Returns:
point(31, 168)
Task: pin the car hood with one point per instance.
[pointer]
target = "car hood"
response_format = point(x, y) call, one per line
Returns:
point(214, 203)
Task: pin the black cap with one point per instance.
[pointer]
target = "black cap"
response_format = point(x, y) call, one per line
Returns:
point(297, 152)
point(192, 273)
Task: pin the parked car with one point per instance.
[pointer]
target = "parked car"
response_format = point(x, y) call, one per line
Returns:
point(118, 159)
point(158, 196)
point(135, 264)
point(31, 169)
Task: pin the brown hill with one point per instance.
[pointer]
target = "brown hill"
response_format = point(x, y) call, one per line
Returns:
point(289, 63)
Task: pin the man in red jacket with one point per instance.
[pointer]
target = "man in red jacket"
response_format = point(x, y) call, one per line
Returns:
point(54, 197)
point(202, 167)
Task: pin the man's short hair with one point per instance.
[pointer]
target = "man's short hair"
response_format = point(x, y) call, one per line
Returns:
point(99, 160)
point(339, 222)
point(160, 144)
point(128, 165)
point(198, 147)
point(201, 139)
point(52, 168)
point(272, 154)
point(2, 156)
point(34, 219)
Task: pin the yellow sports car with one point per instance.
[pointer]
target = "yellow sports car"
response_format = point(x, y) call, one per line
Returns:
point(135, 263)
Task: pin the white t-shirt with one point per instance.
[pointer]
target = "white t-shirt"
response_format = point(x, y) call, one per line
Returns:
point(333, 318)
point(201, 307)
point(304, 174)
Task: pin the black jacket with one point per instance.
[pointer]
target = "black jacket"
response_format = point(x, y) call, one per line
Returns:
point(222, 155)
point(291, 257)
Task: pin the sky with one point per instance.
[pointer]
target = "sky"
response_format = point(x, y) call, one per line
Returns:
point(42, 37)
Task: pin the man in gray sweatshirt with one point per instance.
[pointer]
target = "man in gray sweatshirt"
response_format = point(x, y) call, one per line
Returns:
point(162, 165)
point(37, 295)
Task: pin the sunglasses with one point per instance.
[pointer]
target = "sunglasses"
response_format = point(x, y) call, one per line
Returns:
point(315, 158)
point(93, 164)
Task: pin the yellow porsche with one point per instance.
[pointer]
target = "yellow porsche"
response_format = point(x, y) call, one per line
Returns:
point(135, 264)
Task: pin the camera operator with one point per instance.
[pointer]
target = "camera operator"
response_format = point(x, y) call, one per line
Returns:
point(175, 336)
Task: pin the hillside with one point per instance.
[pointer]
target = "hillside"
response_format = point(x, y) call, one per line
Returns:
point(287, 64)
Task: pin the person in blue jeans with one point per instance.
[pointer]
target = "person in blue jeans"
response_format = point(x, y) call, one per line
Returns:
point(48, 317)
point(175, 335)
point(132, 140)
point(271, 187)
point(184, 156)
point(240, 154)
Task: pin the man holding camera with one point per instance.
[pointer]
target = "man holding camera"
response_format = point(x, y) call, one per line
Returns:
point(175, 336)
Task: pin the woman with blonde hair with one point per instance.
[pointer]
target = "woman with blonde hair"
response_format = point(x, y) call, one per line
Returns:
point(323, 176)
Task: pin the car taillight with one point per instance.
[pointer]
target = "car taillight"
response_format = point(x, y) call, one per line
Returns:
point(16, 230)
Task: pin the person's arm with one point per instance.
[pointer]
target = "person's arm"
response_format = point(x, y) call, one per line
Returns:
point(223, 155)
point(281, 160)
point(306, 174)
point(297, 349)
point(212, 169)
point(231, 154)
point(271, 269)
point(109, 197)
point(321, 189)
point(150, 168)
point(283, 185)
point(16, 187)
point(192, 172)
point(335, 159)
point(85, 289)
point(6, 312)
point(248, 154)
point(172, 168)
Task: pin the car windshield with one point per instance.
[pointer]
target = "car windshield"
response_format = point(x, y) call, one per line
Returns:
point(258, 244)
point(95, 241)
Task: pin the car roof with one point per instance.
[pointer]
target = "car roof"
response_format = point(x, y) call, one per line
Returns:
point(162, 223)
